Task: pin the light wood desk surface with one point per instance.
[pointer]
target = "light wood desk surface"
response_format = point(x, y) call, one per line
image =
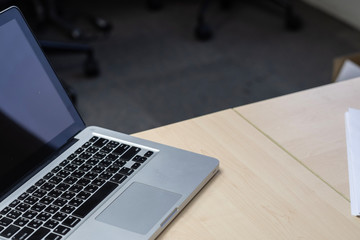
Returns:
point(310, 125)
point(261, 192)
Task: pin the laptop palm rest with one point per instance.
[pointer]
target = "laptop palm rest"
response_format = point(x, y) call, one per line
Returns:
point(139, 208)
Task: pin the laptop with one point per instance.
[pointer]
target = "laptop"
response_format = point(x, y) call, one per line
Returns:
point(62, 180)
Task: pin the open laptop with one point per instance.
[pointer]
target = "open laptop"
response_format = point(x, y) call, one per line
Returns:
point(62, 180)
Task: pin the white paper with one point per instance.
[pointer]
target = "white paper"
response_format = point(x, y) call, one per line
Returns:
point(352, 123)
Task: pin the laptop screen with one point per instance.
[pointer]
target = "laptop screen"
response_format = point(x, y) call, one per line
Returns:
point(36, 116)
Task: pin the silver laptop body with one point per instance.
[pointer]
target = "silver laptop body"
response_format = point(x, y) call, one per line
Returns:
point(80, 182)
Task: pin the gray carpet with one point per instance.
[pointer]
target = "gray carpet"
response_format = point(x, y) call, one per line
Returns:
point(154, 72)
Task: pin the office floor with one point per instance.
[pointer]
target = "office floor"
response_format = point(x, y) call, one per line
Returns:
point(154, 72)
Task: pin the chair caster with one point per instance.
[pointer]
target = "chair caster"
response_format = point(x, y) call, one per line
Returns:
point(203, 32)
point(292, 21)
point(91, 68)
point(155, 4)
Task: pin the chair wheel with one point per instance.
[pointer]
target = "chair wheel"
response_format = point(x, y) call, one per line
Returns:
point(155, 4)
point(203, 32)
point(91, 68)
point(292, 21)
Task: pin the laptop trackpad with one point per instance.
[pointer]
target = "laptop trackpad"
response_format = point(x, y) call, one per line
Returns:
point(139, 208)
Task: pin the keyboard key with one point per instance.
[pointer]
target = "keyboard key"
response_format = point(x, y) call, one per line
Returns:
point(14, 214)
point(112, 157)
point(40, 182)
point(85, 168)
point(113, 169)
point(38, 207)
point(67, 209)
point(61, 230)
point(23, 196)
point(43, 216)
point(76, 188)
point(91, 188)
point(5, 221)
point(31, 200)
point(64, 163)
point(92, 161)
point(35, 223)
point(83, 182)
point(68, 195)
point(62, 186)
point(46, 200)
point(78, 174)
point(121, 149)
point(31, 189)
point(98, 182)
point(70, 168)
point(105, 163)
point(72, 156)
point(97, 169)
point(76, 202)
point(55, 180)
point(93, 139)
point(126, 171)
point(39, 234)
point(10, 231)
point(83, 195)
point(52, 236)
point(135, 165)
point(100, 142)
point(79, 150)
point(107, 149)
point(118, 178)
point(92, 149)
point(23, 234)
point(48, 175)
point(139, 159)
point(30, 214)
point(47, 186)
point(5, 210)
point(85, 155)
point(119, 163)
point(63, 174)
point(56, 169)
point(52, 209)
point(100, 155)
point(90, 175)
point(59, 216)
point(14, 203)
point(70, 180)
point(21, 221)
point(22, 207)
point(112, 144)
point(71, 221)
point(60, 202)
point(55, 193)
point(105, 175)
point(148, 154)
point(51, 223)
point(129, 154)
point(40, 193)
point(95, 199)
point(78, 161)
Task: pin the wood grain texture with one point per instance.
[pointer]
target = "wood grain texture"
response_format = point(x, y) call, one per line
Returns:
point(311, 126)
point(260, 192)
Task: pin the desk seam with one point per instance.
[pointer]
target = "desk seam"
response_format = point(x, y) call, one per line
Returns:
point(290, 154)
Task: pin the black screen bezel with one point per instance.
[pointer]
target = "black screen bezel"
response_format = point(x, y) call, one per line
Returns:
point(27, 166)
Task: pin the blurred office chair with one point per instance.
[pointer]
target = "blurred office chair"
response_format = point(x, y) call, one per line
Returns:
point(204, 32)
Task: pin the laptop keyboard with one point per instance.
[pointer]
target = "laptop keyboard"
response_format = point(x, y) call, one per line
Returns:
point(63, 197)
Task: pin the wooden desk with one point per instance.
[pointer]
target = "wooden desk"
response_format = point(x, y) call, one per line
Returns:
point(261, 192)
point(310, 126)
